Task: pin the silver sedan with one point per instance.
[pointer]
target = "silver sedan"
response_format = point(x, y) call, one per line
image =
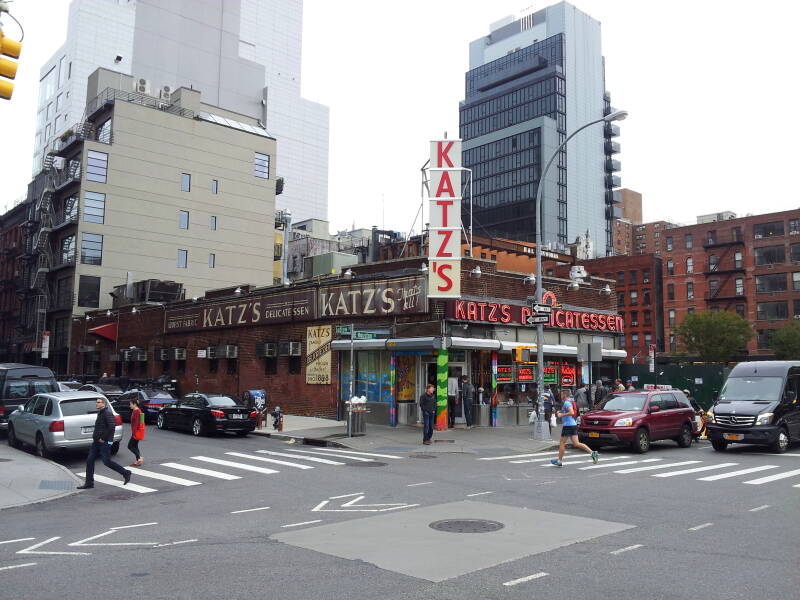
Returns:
point(58, 421)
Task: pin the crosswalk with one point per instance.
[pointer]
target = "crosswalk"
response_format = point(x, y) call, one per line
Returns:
point(235, 465)
point(657, 467)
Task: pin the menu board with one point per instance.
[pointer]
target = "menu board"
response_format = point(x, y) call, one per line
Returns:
point(525, 373)
point(505, 374)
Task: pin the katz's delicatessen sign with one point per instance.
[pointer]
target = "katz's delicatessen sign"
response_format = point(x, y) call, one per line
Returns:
point(444, 243)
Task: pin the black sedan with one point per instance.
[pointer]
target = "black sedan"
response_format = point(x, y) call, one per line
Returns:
point(207, 413)
point(151, 401)
point(112, 392)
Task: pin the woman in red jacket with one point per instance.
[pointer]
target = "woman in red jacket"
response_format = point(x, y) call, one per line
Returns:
point(137, 432)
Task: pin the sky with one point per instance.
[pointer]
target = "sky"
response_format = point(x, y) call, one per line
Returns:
point(710, 86)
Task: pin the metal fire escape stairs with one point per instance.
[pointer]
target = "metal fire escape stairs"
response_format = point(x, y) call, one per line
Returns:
point(44, 261)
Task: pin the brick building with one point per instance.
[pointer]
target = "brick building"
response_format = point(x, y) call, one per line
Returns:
point(628, 213)
point(648, 238)
point(12, 241)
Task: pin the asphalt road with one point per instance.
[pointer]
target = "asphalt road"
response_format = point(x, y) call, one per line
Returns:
point(361, 528)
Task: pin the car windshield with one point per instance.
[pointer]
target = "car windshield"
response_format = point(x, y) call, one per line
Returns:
point(81, 406)
point(44, 386)
point(220, 401)
point(625, 402)
point(73, 385)
point(109, 388)
point(752, 388)
point(159, 396)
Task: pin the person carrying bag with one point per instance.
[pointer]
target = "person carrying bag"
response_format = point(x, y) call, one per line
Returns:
point(137, 432)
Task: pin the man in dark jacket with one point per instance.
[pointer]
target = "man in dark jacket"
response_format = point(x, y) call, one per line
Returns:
point(467, 398)
point(600, 394)
point(103, 439)
point(427, 403)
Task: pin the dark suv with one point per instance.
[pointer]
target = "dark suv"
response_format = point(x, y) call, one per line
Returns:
point(636, 418)
point(19, 383)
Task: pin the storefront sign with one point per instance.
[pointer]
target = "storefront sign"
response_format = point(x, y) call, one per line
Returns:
point(498, 312)
point(318, 358)
point(444, 244)
point(525, 373)
point(505, 374)
point(374, 298)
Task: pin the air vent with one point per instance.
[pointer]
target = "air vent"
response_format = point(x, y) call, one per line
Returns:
point(295, 349)
point(266, 349)
point(162, 354)
point(178, 353)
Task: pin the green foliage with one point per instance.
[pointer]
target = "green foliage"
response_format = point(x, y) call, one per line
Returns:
point(786, 342)
point(716, 337)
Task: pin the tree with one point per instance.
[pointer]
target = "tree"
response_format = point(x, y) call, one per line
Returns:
point(714, 336)
point(786, 342)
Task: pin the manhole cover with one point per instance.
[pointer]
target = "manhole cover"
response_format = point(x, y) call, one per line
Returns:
point(5, 460)
point(422, 456)
point(466, 526)
point(367, 464)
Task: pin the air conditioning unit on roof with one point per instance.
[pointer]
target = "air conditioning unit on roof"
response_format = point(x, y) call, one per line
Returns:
point(162, 354)
point(141, 85)
point(228, 351)
point(295, 349)
point(211, 352)
point(165, 93)
point(178, 353)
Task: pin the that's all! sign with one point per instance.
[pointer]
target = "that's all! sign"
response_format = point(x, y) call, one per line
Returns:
point(444, 244)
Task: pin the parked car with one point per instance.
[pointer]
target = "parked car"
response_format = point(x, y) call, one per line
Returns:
point(151, 402)
point(207, 413)
point(757, 405)
point(19, 383)
point(69, 386)
point(638, 418)
point(58, 421)
point(112, 392)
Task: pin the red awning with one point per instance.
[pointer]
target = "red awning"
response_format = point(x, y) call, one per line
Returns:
point(108, 331)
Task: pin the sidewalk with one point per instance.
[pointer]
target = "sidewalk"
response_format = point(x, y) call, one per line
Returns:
point(408, 438)
point(28, 479)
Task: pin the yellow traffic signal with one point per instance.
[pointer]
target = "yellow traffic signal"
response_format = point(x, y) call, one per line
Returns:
point(8, 68)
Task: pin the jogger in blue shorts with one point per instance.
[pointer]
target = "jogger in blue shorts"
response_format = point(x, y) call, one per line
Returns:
point(569, 429)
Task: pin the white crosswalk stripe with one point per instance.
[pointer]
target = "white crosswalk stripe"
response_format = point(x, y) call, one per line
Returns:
point(607, 465)
point(775, 477)
point(737, 473)
point(274, 461)
point(323, 461)
point(588, 460)
point(170, 478)
point(201, 471)
point(659, 466)
point(517, 456)
point(356, 458)
point(548, 457)
point(235, 465)
point(358, 453)
point(140, 489)
point(695, 470)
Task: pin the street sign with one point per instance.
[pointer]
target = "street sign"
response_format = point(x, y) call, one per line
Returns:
point(542, 308)
point(364, 335)
point(344, 329)
point(535, 319)
point(379, 331)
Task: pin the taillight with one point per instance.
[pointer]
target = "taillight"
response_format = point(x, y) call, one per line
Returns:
point(117, 420)
point(2, 410)
point(56, 426)
point(218, 414)
point(253, 414)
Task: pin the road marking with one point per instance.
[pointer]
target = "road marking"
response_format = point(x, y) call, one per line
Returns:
point(524, 579)
point(35, 549)
point(652, 467)
point(735, 473)
point(607, 465)
point(132, 526)
point(627, 548)
point(324, 461)
point(695, 470)
point(346, 496)
point(770, 454)
point(518, 456)
point(235, 465)
point(17, 566)
point(140, 489)
point(410, 485)
point(699, 527)
point(169, 478)
point(303, 523)
point(769, 478)
point(479, 494)
point(18, 540)
point(174, 543)
point(351, 505)
point(275, 461)
point(359, 453)
point(200, 471)
point(327, 454)
point(587, 460)
point(758, 508)
point(246, 510)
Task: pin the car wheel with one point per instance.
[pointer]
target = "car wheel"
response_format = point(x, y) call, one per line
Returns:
point(41, 447)
point(242, 433)
point(719, 445)
point(12, 437)
point(197, 427)
point(114, 448)
point(781, 444)
point(641, 443)
point(685, 438)
point(161, 422)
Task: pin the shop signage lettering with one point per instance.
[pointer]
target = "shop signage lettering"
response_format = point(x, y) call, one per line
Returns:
point(505, 374)
point(525, 374)
point(318, 355)
point(444, 245)
point(497, 312)
point(405, 296)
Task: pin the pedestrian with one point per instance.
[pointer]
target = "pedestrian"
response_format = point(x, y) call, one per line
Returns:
point(618, 386)
point(137, 432)
point(549, 402)
point(569, 429)
point(467, 398)
point(453, 398)
point(581, 403)
point(630, 387)
point(102, 440)
point(427, 404)
point(600, 394)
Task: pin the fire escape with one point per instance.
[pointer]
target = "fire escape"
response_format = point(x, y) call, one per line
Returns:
point(722, 267)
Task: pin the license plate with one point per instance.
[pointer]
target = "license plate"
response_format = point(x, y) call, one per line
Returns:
point(87, 429)
point(594, 434)
point(235, 416)
point(733, 437)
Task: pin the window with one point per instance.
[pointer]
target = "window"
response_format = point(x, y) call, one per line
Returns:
point(634, 318)
point(59, 102)
point(739, 286)
point(670, 291)
point(294, 365)
point(713, 288)
point(766, 230)
point(92, 249)
point(690, 310)
point(740, 310)
point(764, 338)
point(794, 226)
point(68, 250)
point(737, 234)
point(634, 297)
point(688, 242)
point(212, 260)
point(774, 282)
point(670, 267)
point(620, 299)
point(635, 340)
point(795, 252)
point(796, 308)
point(213, 223)
point(214, 186)
point(646, 276)
point(769, 255)
point(233, 366)
point(737, 259)
point(648, 318)
point(183, 219)
point(645, 297)
point(648, 339)
point(94, 207)
point(689, 290)
point(713, 262)
point(96, 166)
point(671, 317)
point(183, 257)
point(620, 277)
point(186, 182)
point(632, 279)
point(672, 346)
point(261, 165)
point(657, 235)
point(669, 243)
point(622, 341)
point(771, 311)
point(689, 265)
point(711, 237)
point(89, 291)
point(104, 132)
point(796, 282)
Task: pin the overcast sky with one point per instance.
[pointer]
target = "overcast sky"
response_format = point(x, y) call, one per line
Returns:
point(711, 87)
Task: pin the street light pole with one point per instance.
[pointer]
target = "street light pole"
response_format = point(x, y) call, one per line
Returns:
point(540, 432)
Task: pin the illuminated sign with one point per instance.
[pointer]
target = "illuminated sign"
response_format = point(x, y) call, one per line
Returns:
point(525, 374)
point(505, 374)
point(498, 312)
point(444, 232)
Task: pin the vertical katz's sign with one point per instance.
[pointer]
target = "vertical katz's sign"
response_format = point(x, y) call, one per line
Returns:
point(318, 355)
point(444, 245)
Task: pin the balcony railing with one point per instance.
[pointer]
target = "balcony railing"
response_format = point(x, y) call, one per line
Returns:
point(62, 219)
point(723, 239)
point(108, 96)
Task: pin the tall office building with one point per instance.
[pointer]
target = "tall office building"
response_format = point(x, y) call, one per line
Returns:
point(242, 55)
point(531, 82)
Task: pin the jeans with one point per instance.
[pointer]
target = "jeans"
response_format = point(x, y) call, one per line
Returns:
point(451, 411)
point(468, 412)
point(133, 446)
point(104, 450)
point(428, 418)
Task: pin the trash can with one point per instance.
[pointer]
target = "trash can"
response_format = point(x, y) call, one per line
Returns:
point(480, 414)
point(357, 418)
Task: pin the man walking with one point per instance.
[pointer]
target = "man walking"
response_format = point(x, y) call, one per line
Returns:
point(427, 404)
point(453, 398)
point(569, 429)
point(467, 398)
point(581, 403)
point(600, 394)
point(103, 439)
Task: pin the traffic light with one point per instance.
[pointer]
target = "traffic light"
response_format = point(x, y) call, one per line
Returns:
point(8, 68)
point(522, 354)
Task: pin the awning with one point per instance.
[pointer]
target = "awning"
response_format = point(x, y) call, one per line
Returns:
point(108, 331)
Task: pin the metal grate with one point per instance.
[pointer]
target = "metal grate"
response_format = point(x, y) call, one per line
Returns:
point(466, 526)
point(738, 420)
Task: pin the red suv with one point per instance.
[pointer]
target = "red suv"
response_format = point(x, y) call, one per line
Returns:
point(637, 418)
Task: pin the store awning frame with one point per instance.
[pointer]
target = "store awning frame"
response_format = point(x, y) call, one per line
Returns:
point(107, 331)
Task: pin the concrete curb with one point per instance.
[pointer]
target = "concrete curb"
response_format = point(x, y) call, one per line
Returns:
point(300, 439)
point(57, 496)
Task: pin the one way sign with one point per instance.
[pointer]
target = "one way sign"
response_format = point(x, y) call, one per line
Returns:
point(536, 319)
